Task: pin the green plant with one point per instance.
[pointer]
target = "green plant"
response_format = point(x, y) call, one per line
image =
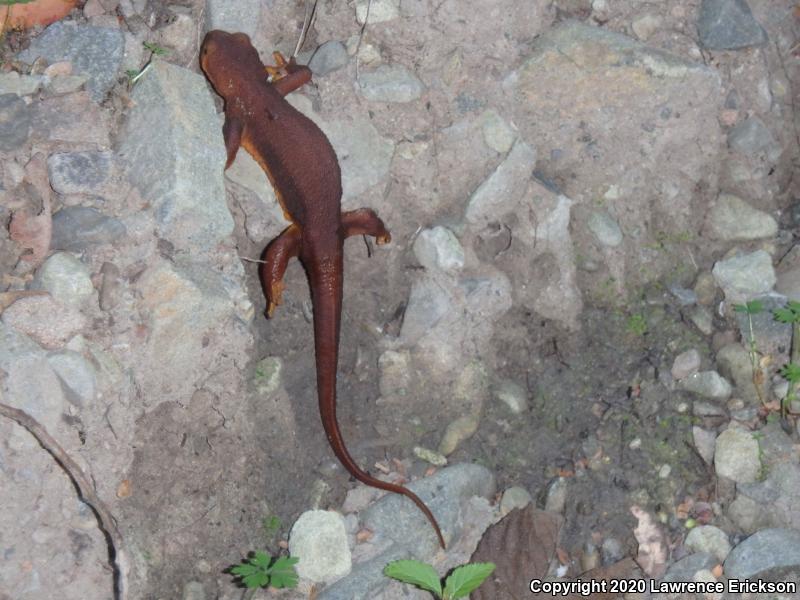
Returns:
point(458, 584)
point(791, 371)
point(637, 324)
point(753, 308)
point(155, 50)
point(270, 526)
point(10, 2)
point(262, 570)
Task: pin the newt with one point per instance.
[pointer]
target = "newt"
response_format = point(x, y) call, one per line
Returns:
point(302, 167)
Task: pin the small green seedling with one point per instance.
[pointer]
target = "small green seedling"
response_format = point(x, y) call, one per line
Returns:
point(155, 50)
point(261, 570)
point(458, 584)
point(791, 372)
point(270, 526)
point(637, 324)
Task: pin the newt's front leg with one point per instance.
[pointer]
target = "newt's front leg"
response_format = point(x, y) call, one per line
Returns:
point(287, 76)
point(276, 258)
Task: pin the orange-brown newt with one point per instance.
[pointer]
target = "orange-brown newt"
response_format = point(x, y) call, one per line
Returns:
point(302, 167)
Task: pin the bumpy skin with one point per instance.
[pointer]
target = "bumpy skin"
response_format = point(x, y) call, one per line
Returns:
point(301, 164)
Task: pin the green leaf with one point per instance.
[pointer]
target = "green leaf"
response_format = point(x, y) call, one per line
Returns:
point(465, 579)
point(261, 559)
point(10, 2)
point(784, 315)
point(416, 573)
point(155, 48)
point(256, 580)
point(282, 573)
point(794, 306)
point(791, 372)
point(244, 569)
point(751, 308)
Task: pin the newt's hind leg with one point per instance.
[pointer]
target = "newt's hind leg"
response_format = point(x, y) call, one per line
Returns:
point(364, 221)
point(276, 258)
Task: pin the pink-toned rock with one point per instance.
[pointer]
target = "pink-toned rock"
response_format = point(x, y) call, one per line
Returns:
point(93, 8)
point(48, 322)
point(63, 67)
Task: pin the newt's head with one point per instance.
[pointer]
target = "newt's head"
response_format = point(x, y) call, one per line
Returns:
point(226, 57)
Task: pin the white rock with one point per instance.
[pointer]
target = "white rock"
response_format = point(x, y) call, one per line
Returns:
point(318, 538)
point(439, 248)
point(710, 539)
point(685, 364)
point(733, 219)
point(514, 497)
point(708, 384)
point(66, 278)
point(379, 11)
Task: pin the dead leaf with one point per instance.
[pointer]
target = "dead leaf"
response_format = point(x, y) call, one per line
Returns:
point(652, 556)
point(364, 535)
point(522, 545)
point(124, 489)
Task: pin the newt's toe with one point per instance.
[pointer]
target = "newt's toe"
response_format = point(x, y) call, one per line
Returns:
point(383, 239)
point(275, 297)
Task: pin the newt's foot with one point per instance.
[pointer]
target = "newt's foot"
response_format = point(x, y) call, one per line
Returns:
point(274, 297)
point(276, 258)
point(364, 221)
point(279, 70)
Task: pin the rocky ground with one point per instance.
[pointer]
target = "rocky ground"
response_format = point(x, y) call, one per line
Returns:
point(594, 207)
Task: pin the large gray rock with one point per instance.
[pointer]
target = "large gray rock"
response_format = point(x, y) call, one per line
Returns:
point(778, 493)
point(390, 83)
point(15, 122)
point(93, 51)
point(752, 139)
point(29, 384)
point(76, 228)
point(729, 25)
point(186, 304)
point(172, 147)
point(79, 172)
point(737, 455)
point(732, 219)
point(745, 276)
point(398, 519)
point(764, 551)
point(241, 15)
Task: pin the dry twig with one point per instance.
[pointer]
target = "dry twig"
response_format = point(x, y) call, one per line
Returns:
point(85, 490)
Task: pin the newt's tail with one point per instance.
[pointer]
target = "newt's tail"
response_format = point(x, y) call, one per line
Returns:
point(326, 292)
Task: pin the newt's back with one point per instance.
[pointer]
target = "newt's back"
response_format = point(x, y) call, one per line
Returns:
point(292, 150)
